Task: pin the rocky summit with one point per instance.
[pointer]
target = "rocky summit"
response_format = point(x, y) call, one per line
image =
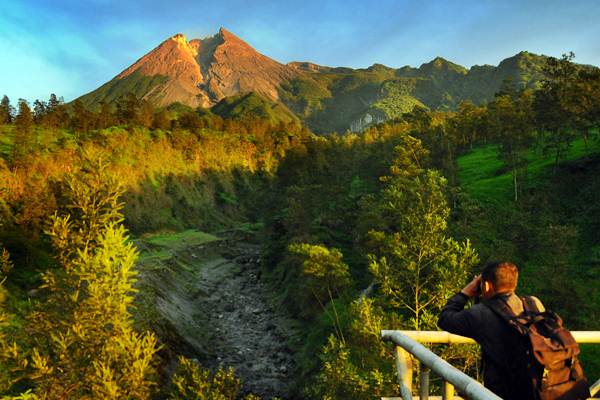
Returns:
point(199, 72)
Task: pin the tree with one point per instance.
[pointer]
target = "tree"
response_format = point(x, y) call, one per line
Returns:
point(510, 120)
point(39, 110)
point(105, 117)
point(327, 275)
point(8, 353)
point(146, 114)
point(12, 359)
point(56, 113)
point(193, 382)
point(161, 120)
point(191, 121)
point(128, 109)
point(54, 102)
point(24, 140)
point(554, 105)
point(469, 124)
point(83, 119)
point(586, 102)
point(6, 110)
point(24, 119)
point(419, 118)
point(363, 366)
point(414, 262)
point(83, 341)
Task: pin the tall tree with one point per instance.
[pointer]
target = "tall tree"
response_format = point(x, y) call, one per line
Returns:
point(24, 140)
point(511, 121)
point(56, 113)
point(469, 124)
point(39, 110)
point(553, 105)
point(83, 119)
point(414, 261)
point(24, 119)
point(6, 110)
point(586, 102)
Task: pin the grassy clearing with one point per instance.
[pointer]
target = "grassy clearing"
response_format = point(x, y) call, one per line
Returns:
point(178, 240)
point(482, 174)
point(157, 247)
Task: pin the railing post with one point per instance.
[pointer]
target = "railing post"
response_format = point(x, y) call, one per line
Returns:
point(595, 388)
point(404, 370)
point(447, 391)
point(424, 383)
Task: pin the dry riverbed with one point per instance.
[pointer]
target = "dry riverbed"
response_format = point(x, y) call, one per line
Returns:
point(205, 297)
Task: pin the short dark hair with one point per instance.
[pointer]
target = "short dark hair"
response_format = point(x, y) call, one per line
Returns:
point(502, 274)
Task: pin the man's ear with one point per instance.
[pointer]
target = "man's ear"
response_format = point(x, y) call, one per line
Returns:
point(487, 287)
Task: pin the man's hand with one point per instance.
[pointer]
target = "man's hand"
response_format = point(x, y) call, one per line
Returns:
point(472, 289)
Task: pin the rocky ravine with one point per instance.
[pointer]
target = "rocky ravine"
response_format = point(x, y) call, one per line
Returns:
point(210, 300)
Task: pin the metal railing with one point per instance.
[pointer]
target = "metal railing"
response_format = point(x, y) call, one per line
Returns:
point(408, 343)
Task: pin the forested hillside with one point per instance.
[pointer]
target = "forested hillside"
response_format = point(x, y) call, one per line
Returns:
point(113, 217)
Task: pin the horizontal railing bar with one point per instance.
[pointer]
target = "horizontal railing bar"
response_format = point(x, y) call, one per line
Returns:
point(417, 398)
point(467, 385)
point(449, 338)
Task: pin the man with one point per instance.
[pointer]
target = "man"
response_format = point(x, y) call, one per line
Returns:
point(503, 351)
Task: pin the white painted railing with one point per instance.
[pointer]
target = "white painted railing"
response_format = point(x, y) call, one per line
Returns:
point(409, 342)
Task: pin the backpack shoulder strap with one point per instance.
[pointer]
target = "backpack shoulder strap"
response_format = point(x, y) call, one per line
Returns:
point(500, 308)
point(530, 304)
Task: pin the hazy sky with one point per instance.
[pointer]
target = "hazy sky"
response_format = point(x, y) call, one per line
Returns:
point(70, 47)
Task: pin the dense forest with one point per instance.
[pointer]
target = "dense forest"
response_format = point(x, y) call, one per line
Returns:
point(358, 232)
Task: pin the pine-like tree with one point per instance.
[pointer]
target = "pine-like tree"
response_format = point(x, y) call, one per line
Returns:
point(24, 119)
point(414, 261)
point(24, 140)
point(6, 110)
point(84, 344)
point(39, 110)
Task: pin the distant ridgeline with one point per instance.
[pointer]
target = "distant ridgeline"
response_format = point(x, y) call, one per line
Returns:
point(204, 72)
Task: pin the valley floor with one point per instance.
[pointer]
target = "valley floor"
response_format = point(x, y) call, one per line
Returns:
point(206, 294)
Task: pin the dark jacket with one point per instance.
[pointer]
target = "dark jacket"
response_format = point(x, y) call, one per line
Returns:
point(503, 349)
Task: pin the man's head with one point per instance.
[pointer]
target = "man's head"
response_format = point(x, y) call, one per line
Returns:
point(498, 277)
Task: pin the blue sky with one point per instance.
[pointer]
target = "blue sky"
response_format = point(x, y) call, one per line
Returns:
point(70, 47)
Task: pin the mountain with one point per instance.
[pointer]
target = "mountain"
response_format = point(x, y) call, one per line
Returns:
point(337, 100)
point(204, 72)
point(199, 72)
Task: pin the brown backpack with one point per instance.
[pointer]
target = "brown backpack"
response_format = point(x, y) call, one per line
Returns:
point(551, 351)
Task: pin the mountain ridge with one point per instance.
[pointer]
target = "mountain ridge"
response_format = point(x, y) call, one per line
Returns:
point(203, 72)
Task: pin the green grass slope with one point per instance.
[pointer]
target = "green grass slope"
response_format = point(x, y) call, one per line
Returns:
point(552, 233)
point(483, 176)
point(252, 105)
